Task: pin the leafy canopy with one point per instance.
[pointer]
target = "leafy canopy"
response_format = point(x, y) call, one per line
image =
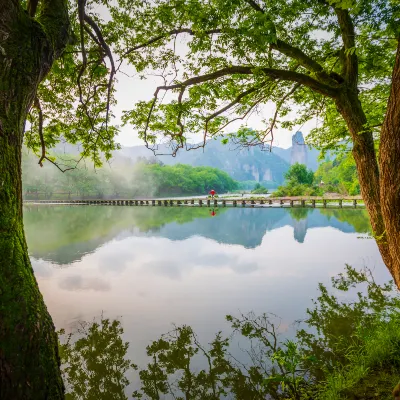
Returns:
point(221, 60)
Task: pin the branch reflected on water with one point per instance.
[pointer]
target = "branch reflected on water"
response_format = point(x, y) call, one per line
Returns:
point(344, 349)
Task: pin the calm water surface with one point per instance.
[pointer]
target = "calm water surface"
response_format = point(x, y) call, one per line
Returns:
point(151, 267)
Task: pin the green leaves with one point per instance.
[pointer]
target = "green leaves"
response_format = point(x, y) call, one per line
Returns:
point(218, 34)
point(94, 365)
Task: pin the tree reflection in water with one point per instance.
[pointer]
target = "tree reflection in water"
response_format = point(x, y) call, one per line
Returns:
point(348, 349)
point(94, 361)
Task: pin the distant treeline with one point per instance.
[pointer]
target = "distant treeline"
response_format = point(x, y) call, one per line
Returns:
point(143, 179)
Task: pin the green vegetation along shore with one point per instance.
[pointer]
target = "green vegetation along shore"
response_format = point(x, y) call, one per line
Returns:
point(336, 176)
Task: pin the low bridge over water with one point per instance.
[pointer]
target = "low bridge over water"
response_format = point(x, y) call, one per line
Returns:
point(350, 201)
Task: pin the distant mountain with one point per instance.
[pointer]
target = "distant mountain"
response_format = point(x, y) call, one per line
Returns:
point(244, 164)
point(299, 152)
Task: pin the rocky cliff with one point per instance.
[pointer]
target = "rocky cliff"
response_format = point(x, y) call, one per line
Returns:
point(299, 149)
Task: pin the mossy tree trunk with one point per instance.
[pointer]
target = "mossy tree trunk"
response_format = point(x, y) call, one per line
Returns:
point(369, 177)
point(389, 163)
point(29, 362)
point(380, 184)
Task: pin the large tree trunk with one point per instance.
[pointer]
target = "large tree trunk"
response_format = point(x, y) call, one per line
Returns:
point(364, 154)
point(389, 162)
point(29, 362)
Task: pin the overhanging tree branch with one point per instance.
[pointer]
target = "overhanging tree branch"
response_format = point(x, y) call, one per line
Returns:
point(273, 73)
point(43, 156)
point(280, 46)
point(231, 104)
point(307, 62)
point(165, 35)
point(348, 37)
point(254, 5)
point(107, 50)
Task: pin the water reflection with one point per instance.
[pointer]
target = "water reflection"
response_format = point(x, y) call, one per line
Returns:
point(318, 361)
point(151, 267)
point(69, 233)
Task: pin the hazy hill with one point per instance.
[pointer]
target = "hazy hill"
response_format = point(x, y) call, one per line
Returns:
point(252, 164)
point(242, 164)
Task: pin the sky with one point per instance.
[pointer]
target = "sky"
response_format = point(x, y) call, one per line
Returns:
point(131, 89)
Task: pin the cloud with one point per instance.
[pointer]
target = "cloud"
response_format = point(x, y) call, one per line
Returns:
point(42, 268)
point(76, 282)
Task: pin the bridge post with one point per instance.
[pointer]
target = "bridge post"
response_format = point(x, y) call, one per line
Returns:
point(291, 203)
point(243, 203)
point(355, 203)
point(303, 203)
point(313, 203)
point(270, 202)
point(261, 201)
point(234, 203)
point(178, 203)
point(281, 203)
point(224, 203)
point(166, 203)
point(252, 202)
point(208, 202)
point(200, 203)
point(215, 203)
point(324, 203)
point(159, 202)
point(192, 201)
point(171, 202)
point(153, 202)
point(341, 203)
point(185, 202)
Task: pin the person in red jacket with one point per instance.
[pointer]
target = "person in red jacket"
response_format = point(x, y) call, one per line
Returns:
point(212, 192)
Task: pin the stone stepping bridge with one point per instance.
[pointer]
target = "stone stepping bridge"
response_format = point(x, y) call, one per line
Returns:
point(313, 201)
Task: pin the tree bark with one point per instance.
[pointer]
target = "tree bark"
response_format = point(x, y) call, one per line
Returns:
point(389, 163)
point(364, 154)
point(29, 361)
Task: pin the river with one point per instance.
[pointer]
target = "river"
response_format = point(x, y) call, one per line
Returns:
point(150, 267)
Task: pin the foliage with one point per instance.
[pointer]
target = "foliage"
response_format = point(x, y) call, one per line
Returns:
point(298, 174)
point(146, 178)
point(297, 190)
point(249, 185)
point(339, 175)
point(259, 189)
point(232, 65)
point(299, 182)
point(183, 179)
point(344, 349)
